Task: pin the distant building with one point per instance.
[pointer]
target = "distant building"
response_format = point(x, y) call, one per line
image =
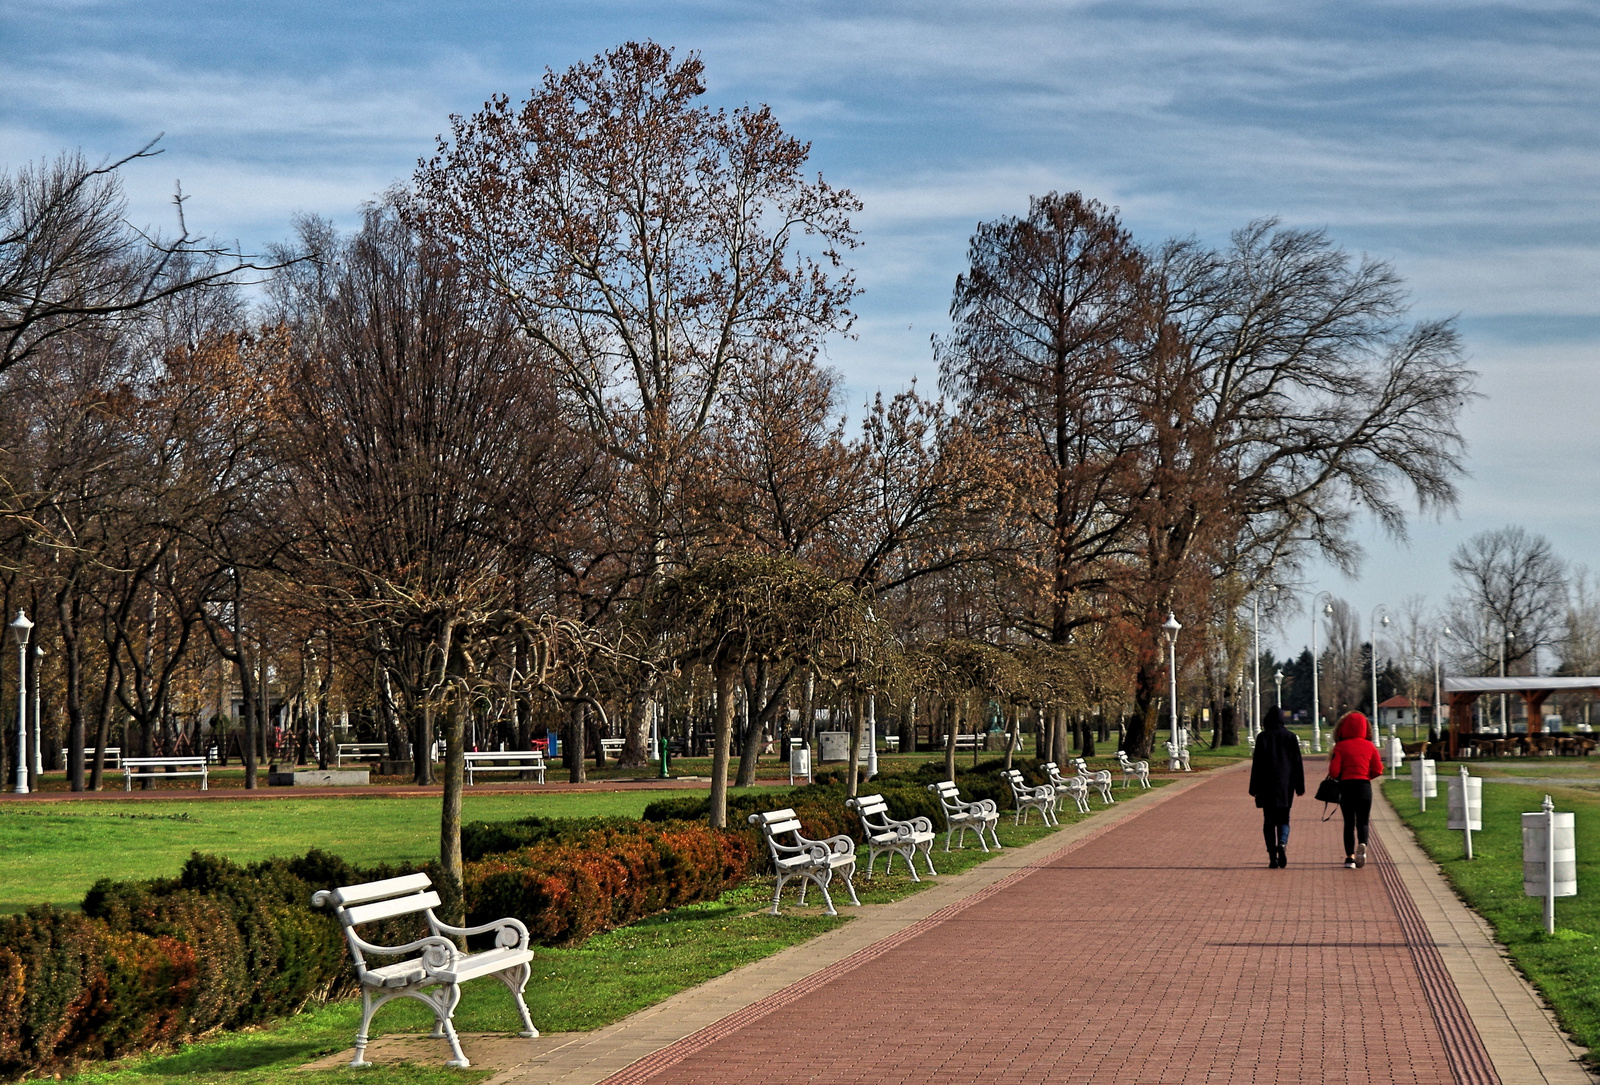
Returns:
point(1403, 712)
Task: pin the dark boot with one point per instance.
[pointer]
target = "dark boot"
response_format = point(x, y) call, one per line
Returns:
point(1283, 856)
point(1272, 858)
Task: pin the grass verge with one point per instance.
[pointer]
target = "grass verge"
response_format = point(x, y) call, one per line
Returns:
point(53, 852)
point(1564, 967)
point(577, 988)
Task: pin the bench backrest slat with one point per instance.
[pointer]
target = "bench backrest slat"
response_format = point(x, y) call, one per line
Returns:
point(767, 818)
point(388, 887)
point(871, 804)
point(388, 909)
point(781, 827)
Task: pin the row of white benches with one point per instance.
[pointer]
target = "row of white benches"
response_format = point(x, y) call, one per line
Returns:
point(432, 968)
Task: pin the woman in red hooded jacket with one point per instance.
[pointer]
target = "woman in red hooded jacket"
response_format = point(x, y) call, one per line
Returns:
point(1355, 764)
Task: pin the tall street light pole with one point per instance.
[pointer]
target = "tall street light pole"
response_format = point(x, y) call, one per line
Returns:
point(1255, 684)
point(20, 629)
point(1316, 666)
point(1372, 724)
point(38, 747)
point(1277, 699)
point(1171, 627)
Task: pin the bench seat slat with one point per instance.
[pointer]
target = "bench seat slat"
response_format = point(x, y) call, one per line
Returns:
point(482, 964)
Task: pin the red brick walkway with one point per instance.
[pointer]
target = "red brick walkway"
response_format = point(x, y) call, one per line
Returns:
point(1163, 951)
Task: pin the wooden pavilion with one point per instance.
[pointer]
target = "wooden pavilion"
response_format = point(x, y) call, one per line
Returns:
point(1461, 693)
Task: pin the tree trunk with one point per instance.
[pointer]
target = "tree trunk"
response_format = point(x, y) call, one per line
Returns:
point(71, 647)
point(572, 754)
point(1146, 702)
point(1058, 734)
point(852, 779)
point(952, 728)
point(455, 760)
point(726, 675)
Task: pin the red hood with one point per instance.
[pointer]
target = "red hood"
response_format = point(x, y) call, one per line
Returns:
point(1351, 725)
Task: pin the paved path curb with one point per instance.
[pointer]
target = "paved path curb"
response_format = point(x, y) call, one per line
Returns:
point(1517, 1034)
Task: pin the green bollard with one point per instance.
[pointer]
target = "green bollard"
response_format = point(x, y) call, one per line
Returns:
point(665, 759)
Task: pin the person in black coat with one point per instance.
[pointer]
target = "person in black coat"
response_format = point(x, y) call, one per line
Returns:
point(1276, 777)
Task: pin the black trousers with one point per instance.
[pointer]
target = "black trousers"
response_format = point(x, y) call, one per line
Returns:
point(1275, 826)
point(1355, 802)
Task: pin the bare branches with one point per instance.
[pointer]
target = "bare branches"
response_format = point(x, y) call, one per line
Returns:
point(69, 259)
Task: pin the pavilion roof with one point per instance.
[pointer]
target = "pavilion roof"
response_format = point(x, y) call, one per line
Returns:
point(1521, 683)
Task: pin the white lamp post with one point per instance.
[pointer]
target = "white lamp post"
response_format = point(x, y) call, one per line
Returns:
point(1255, 684)
point(1316, 666)
point(1170, 627)
point(20, 629)
point(1372, 725)
point(38, 747)
point(1277, 698)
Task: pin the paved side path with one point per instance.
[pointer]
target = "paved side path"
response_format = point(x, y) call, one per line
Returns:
point(1155, 946)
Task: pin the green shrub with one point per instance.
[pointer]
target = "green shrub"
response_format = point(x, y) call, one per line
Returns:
point(569, 889)
point(481, 838)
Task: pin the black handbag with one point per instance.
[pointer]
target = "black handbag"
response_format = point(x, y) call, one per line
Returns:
point(1328, 790)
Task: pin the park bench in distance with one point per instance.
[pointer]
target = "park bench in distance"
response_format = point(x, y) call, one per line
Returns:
point(157, 768)
point(895, 837)
point(1075, 786)
point(1133, 770)
point(113, 756)
point(504, 761)
point(981, 815)
point(806, 859)
point(435, 974)
point(360, 751)
point(1029, 798)
point(1099, 779)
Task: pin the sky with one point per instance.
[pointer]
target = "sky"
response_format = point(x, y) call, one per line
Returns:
point(1456, 140)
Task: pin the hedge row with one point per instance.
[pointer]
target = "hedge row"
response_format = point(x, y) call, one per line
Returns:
point(152, 963)
point(566, 890)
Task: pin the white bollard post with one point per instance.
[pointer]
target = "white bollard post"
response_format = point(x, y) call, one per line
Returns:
point(1465, 807)
point(1549, 858)
point(1424, 781)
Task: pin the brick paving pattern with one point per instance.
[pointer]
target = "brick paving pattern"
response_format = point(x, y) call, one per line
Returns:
point(1161, 951)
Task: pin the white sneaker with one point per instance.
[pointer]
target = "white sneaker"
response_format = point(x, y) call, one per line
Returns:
point(1361, 855)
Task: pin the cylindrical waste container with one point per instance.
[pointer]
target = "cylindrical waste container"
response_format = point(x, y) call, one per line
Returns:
point(1535, 833)
point(1424, 779)
point(1470, 814)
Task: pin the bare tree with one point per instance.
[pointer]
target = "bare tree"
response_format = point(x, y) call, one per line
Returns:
point(69, 260)
point(1580, 641)
point(1510, 597)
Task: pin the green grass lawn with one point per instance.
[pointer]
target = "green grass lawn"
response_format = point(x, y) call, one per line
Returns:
point(575, 988)
point(54, 852)
point(1566, 967)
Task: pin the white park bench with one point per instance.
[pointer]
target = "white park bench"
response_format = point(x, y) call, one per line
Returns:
point(157, 768)
point(1075, 787)
point(980, 815)
point(504, 761)
point(613, 746)
point(360, 751)
point(437, 967)
point(113, 756)
point(1099, 779)
point(963, 742)
point(1177, 757)
point(1029, 798)
point(1133, 770)
point(806, 859)
point(883, 833)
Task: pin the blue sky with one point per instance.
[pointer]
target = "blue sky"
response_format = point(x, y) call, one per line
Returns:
point(1457, 140)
